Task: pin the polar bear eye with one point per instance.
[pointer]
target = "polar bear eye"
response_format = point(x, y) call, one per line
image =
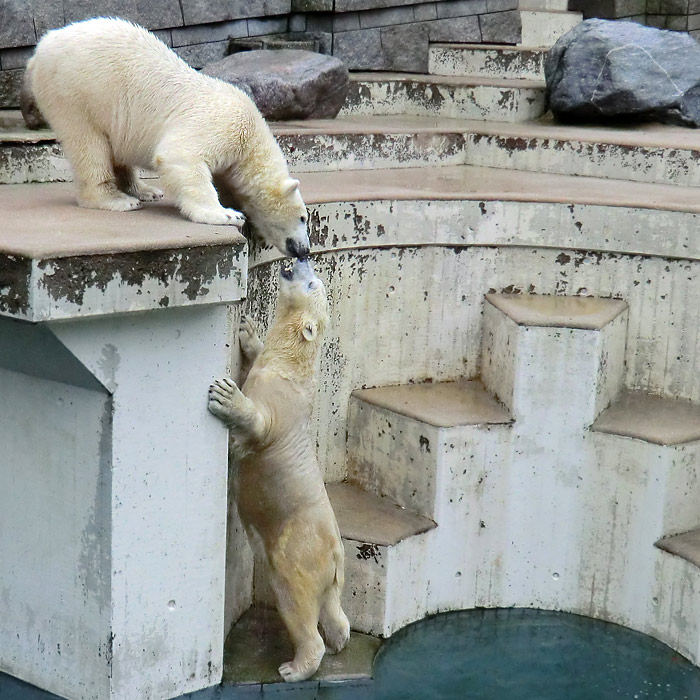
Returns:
point(302, 219)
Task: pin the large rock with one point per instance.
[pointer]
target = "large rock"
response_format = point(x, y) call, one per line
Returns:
point(287, 83)
point(606, 71)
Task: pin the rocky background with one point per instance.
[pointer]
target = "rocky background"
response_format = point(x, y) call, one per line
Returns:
point(364, 34)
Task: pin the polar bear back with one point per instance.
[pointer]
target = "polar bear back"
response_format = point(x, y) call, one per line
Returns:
point(125, 82)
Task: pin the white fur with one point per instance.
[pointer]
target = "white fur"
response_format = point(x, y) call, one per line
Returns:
point(279, 490)
point(120, 99)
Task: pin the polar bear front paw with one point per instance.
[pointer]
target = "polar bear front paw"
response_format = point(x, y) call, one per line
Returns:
point(251, 345)
point(146, 193)
point(217, 217)
point(119, 201)
point(224, 399)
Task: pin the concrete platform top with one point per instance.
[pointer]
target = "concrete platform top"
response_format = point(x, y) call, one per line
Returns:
point(60, 261)
point(685, 545)
point(364, 517)
point(443, 405)
point(259, 642)
point(43, 221)
point(587, 313)
point(656, 419)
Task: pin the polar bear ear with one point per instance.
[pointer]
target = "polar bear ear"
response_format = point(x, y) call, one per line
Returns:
point(309, 330)
point(289, 187)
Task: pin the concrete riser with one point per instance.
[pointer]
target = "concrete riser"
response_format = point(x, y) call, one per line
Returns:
point(487, 62)
point(543, 28)
point(635, 164)
point(483, 102)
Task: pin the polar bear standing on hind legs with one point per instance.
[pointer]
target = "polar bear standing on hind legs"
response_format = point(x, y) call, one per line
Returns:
point(279, 490)
point(119, 99)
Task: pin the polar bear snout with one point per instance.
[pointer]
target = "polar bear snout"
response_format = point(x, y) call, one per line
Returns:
point(297, 249)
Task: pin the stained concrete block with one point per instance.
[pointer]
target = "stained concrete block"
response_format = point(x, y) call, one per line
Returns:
point(199, 55)
point(457, 29)
point(16, 24)
point(501, 27)
point(461, 8)
point(203, 11)
point(152, 14)
point(207, 33)
point(405, 48)
point(10, 86)
point(360, 50)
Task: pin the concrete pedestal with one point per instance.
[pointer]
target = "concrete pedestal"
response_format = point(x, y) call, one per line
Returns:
point(113, 493)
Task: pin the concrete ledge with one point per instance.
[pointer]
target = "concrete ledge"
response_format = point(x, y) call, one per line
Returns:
point(589, 313)
point(365, 517)
point(443, 405)
point(685, 545)
point(656, 419)
point(60, 261)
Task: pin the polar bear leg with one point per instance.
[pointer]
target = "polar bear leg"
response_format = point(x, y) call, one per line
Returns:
point(299, 611)
point(251, 345)
point(189, 181)
point(129, 182)
point(90, 155)
point(233, 407)
point(335, 627)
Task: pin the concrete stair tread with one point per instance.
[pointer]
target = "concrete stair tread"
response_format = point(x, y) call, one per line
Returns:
point(364, 517)
point(686, 545)
point(450, 80)
point(649, 135)
point(43, 221)
point(589, 313)
point(442, 404)
point(486, 47)
point(258, 643)
point(484, 184)
point(655, 419)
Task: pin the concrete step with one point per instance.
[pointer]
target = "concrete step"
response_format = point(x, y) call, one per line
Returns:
point(445, 96)
point(385, 560)
point(545, 27)
point(651, 153)
point(686, 545)
point(399, 435)
point(487, 61)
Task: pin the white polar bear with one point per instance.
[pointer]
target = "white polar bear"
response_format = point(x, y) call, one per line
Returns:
point(279, 490)
point(120, 99)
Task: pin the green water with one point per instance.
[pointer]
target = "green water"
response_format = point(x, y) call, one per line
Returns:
point(491, 655)
point(528, 655)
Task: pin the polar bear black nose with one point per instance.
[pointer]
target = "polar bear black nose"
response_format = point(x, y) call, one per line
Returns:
point(296, 249)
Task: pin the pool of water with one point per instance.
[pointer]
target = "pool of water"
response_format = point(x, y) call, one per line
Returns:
point(509, 654)
point(528, 655)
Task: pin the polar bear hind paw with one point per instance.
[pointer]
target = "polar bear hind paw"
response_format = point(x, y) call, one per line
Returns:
point(146, 193)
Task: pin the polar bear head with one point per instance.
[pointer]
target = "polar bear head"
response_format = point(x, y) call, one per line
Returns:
point(296, 334)
point(281, 219)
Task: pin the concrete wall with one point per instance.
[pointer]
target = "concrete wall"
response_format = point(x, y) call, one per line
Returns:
point(366, 34)
point(679, 15)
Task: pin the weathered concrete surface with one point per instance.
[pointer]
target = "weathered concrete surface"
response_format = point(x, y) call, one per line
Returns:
point(487, 61)
point(60, 261)
point(118, 479)
point(444, 96)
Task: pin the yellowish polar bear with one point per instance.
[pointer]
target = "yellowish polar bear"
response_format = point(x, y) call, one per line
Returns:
point(280, 493)
point(119, 99)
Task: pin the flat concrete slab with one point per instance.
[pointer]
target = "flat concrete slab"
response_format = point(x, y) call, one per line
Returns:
point(685, 545)
point(450, 80)
point(655, 419)
point(258, 643)
point(43, 221)
point(588, 313)
point(444, 404)
point(364, 517)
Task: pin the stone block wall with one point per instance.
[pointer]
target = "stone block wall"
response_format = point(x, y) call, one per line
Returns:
point(678, 15)
point(365, 34)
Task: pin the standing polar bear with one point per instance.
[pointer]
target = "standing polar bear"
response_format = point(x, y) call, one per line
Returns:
point(119, 99)
point(279, 490)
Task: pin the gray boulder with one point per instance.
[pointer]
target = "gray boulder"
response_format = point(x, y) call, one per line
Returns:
point(605, 71)
point(287, 83)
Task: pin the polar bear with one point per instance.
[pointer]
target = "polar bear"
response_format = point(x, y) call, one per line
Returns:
point(119, 99)
point(279, 490)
